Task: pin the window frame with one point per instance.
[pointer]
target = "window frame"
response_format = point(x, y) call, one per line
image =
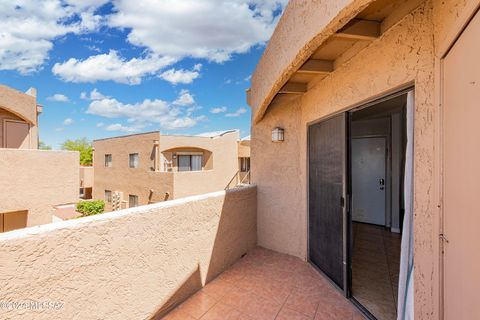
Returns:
point(190, 157)
point(108, 160)
point(135, 165)
point(244, 164)
point(108, 198)
point(130, 197)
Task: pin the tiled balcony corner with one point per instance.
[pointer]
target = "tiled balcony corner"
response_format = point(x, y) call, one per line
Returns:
point(266, 285)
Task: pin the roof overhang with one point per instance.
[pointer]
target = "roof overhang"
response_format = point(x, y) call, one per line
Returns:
point(312, 39)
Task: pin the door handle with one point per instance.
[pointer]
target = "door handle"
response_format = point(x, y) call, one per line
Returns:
point(381, 183)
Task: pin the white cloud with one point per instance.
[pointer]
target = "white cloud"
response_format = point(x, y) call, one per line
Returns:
point(181, 76)
point(110, 66)
point(28, 28)
point(68, 121)
point(212, 30)
point(218, 110)
point(119, 127)
point(93, 95)
point(237, 113)
point(246, 79)
point(100, 124)
point(184, 99)
point(167, 115)
point(58, 97)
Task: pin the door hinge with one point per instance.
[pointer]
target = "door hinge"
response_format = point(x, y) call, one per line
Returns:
point(443, 238)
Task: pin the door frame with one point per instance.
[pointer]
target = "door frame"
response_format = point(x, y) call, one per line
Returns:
point(347, 234)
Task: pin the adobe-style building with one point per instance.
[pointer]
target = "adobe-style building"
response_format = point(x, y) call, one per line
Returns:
point(145, 168)
point(365, 169)
point(33, 181)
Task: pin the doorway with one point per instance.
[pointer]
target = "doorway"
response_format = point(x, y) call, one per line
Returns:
point(357, 165)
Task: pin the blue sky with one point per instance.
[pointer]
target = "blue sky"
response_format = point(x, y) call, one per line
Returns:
point(106, 68)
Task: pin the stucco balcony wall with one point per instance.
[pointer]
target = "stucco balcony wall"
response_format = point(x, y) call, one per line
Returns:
point(131, 264)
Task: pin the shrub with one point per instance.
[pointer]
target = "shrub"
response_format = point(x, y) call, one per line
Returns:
point(90, 208)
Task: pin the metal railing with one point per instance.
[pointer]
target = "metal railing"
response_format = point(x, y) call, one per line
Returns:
point(238, 178)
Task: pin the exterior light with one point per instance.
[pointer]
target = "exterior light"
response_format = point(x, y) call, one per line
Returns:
point(278, 134)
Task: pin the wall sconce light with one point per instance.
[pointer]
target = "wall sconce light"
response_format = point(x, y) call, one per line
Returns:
point(278, 134)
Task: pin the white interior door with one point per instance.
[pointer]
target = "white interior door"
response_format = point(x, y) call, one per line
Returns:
point(368, 180)
point(461, 184)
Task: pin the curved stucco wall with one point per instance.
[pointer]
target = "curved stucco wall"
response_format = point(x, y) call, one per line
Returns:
point(21, 104)
point(404, 55)
point(289, 47)
point(130, 264)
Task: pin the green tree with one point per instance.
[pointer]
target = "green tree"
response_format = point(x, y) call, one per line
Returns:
point(43, 146)
point(84, 147)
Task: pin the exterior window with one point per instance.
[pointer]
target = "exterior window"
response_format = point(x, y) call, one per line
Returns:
point(108, 196)
point(190, 163)
point(132, 201)
point(245, 164)
point(133, 160)
point(108, 160)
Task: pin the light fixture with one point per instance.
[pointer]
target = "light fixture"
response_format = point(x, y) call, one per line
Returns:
point(278, 134)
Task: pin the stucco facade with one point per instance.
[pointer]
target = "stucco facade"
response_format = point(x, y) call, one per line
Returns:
point(413, 39)
point(131, 264)
point(157, 176)
point(33, 181)
point(18, 118)
point(36, 181)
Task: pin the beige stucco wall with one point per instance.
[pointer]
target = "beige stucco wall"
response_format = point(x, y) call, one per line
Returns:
point(244, 148)
point(19, 106)
point(318, 20)
point(130, 264)
point(86, 177)
point(22, 104)
point(37, 180)
point(405, 54)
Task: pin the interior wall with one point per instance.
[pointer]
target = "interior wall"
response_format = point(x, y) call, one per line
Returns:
point(391, 127)
point(378, 127)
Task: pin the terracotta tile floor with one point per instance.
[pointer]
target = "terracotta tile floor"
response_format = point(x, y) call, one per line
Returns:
point(266, 285)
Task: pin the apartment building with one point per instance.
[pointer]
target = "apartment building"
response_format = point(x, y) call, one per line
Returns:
point(33, 181)
point(151, 167)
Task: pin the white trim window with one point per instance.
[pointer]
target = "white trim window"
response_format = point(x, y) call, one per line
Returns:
point(133, 160)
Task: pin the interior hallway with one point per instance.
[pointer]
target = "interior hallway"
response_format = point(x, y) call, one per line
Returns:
point(375, 269)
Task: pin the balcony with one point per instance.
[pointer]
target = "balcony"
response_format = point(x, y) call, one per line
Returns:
point(267, 285)
point(196, 256)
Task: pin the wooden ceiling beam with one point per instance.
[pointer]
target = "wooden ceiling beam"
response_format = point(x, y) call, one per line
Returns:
point(316, 66)
point(358, 29)
point(294, 88)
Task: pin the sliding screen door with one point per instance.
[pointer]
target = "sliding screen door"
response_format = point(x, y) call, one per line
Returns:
point(327, 160)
